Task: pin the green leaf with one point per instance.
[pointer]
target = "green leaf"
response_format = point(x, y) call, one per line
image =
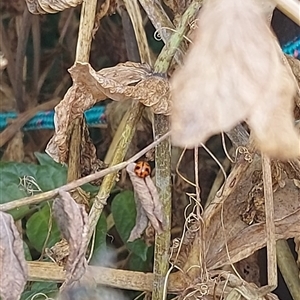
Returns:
point(37, 228)
point(124, 213)
point(28, 256)
point(47, 288)
point(47, 177)
point(45, 159)
point(135, 263)
point(99, 253)
point(10, 190)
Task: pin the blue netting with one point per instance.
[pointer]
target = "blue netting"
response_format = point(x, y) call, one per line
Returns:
point(293, 47)
point(45, 119)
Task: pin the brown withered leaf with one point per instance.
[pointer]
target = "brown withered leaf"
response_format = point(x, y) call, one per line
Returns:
point(125, 81)
point(12, 260)
point(50, 6)
point(89, 162)
point(72, 220)
point(226, 70)
point(243, 240)
point(147, 195)
point(69, 109)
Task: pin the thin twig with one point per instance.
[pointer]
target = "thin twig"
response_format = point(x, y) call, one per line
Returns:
point(122, 279)
point(270, 224)
point(20, 58)
point(76, 183)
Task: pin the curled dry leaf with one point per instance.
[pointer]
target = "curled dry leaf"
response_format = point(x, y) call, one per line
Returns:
point(243, 240)
point(13, 265)
point(141, 221)
point(50, 6)
point(146, 193)
point(72, 220)
point(125, 81)
point(234, 71)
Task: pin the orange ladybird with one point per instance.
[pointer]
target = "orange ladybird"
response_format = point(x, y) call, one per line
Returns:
point(142, 169)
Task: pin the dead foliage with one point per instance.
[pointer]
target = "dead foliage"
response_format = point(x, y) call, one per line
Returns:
point(148, 204)
point(215, 243)
point(205, 76)
point(73, 223)
point(12, 258)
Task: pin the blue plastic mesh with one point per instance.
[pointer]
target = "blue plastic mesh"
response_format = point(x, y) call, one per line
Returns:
point(45, 119)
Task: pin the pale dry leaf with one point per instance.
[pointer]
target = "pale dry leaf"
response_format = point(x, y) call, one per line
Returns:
point(50, 6)
point(13, 265)
point(72, 220)
point(233, 72)
point(141, 221)
point(123, 82)
point(148, 197)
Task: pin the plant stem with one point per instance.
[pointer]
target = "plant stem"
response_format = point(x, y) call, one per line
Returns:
point(288, 268)
point(87, 18)
point(83, 48)
point(163, 150)
point(132, 117)
point(270, 224)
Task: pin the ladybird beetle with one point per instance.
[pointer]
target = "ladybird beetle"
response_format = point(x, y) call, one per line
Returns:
point(142, 169)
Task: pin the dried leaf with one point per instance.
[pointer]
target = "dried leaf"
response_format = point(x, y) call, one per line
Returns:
point(234, 72)
point(50, 6)
point(243, 240)
point(13, 265)
point(72, 220)
point(141, 221)
point(147, 194)
point(125, 81)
